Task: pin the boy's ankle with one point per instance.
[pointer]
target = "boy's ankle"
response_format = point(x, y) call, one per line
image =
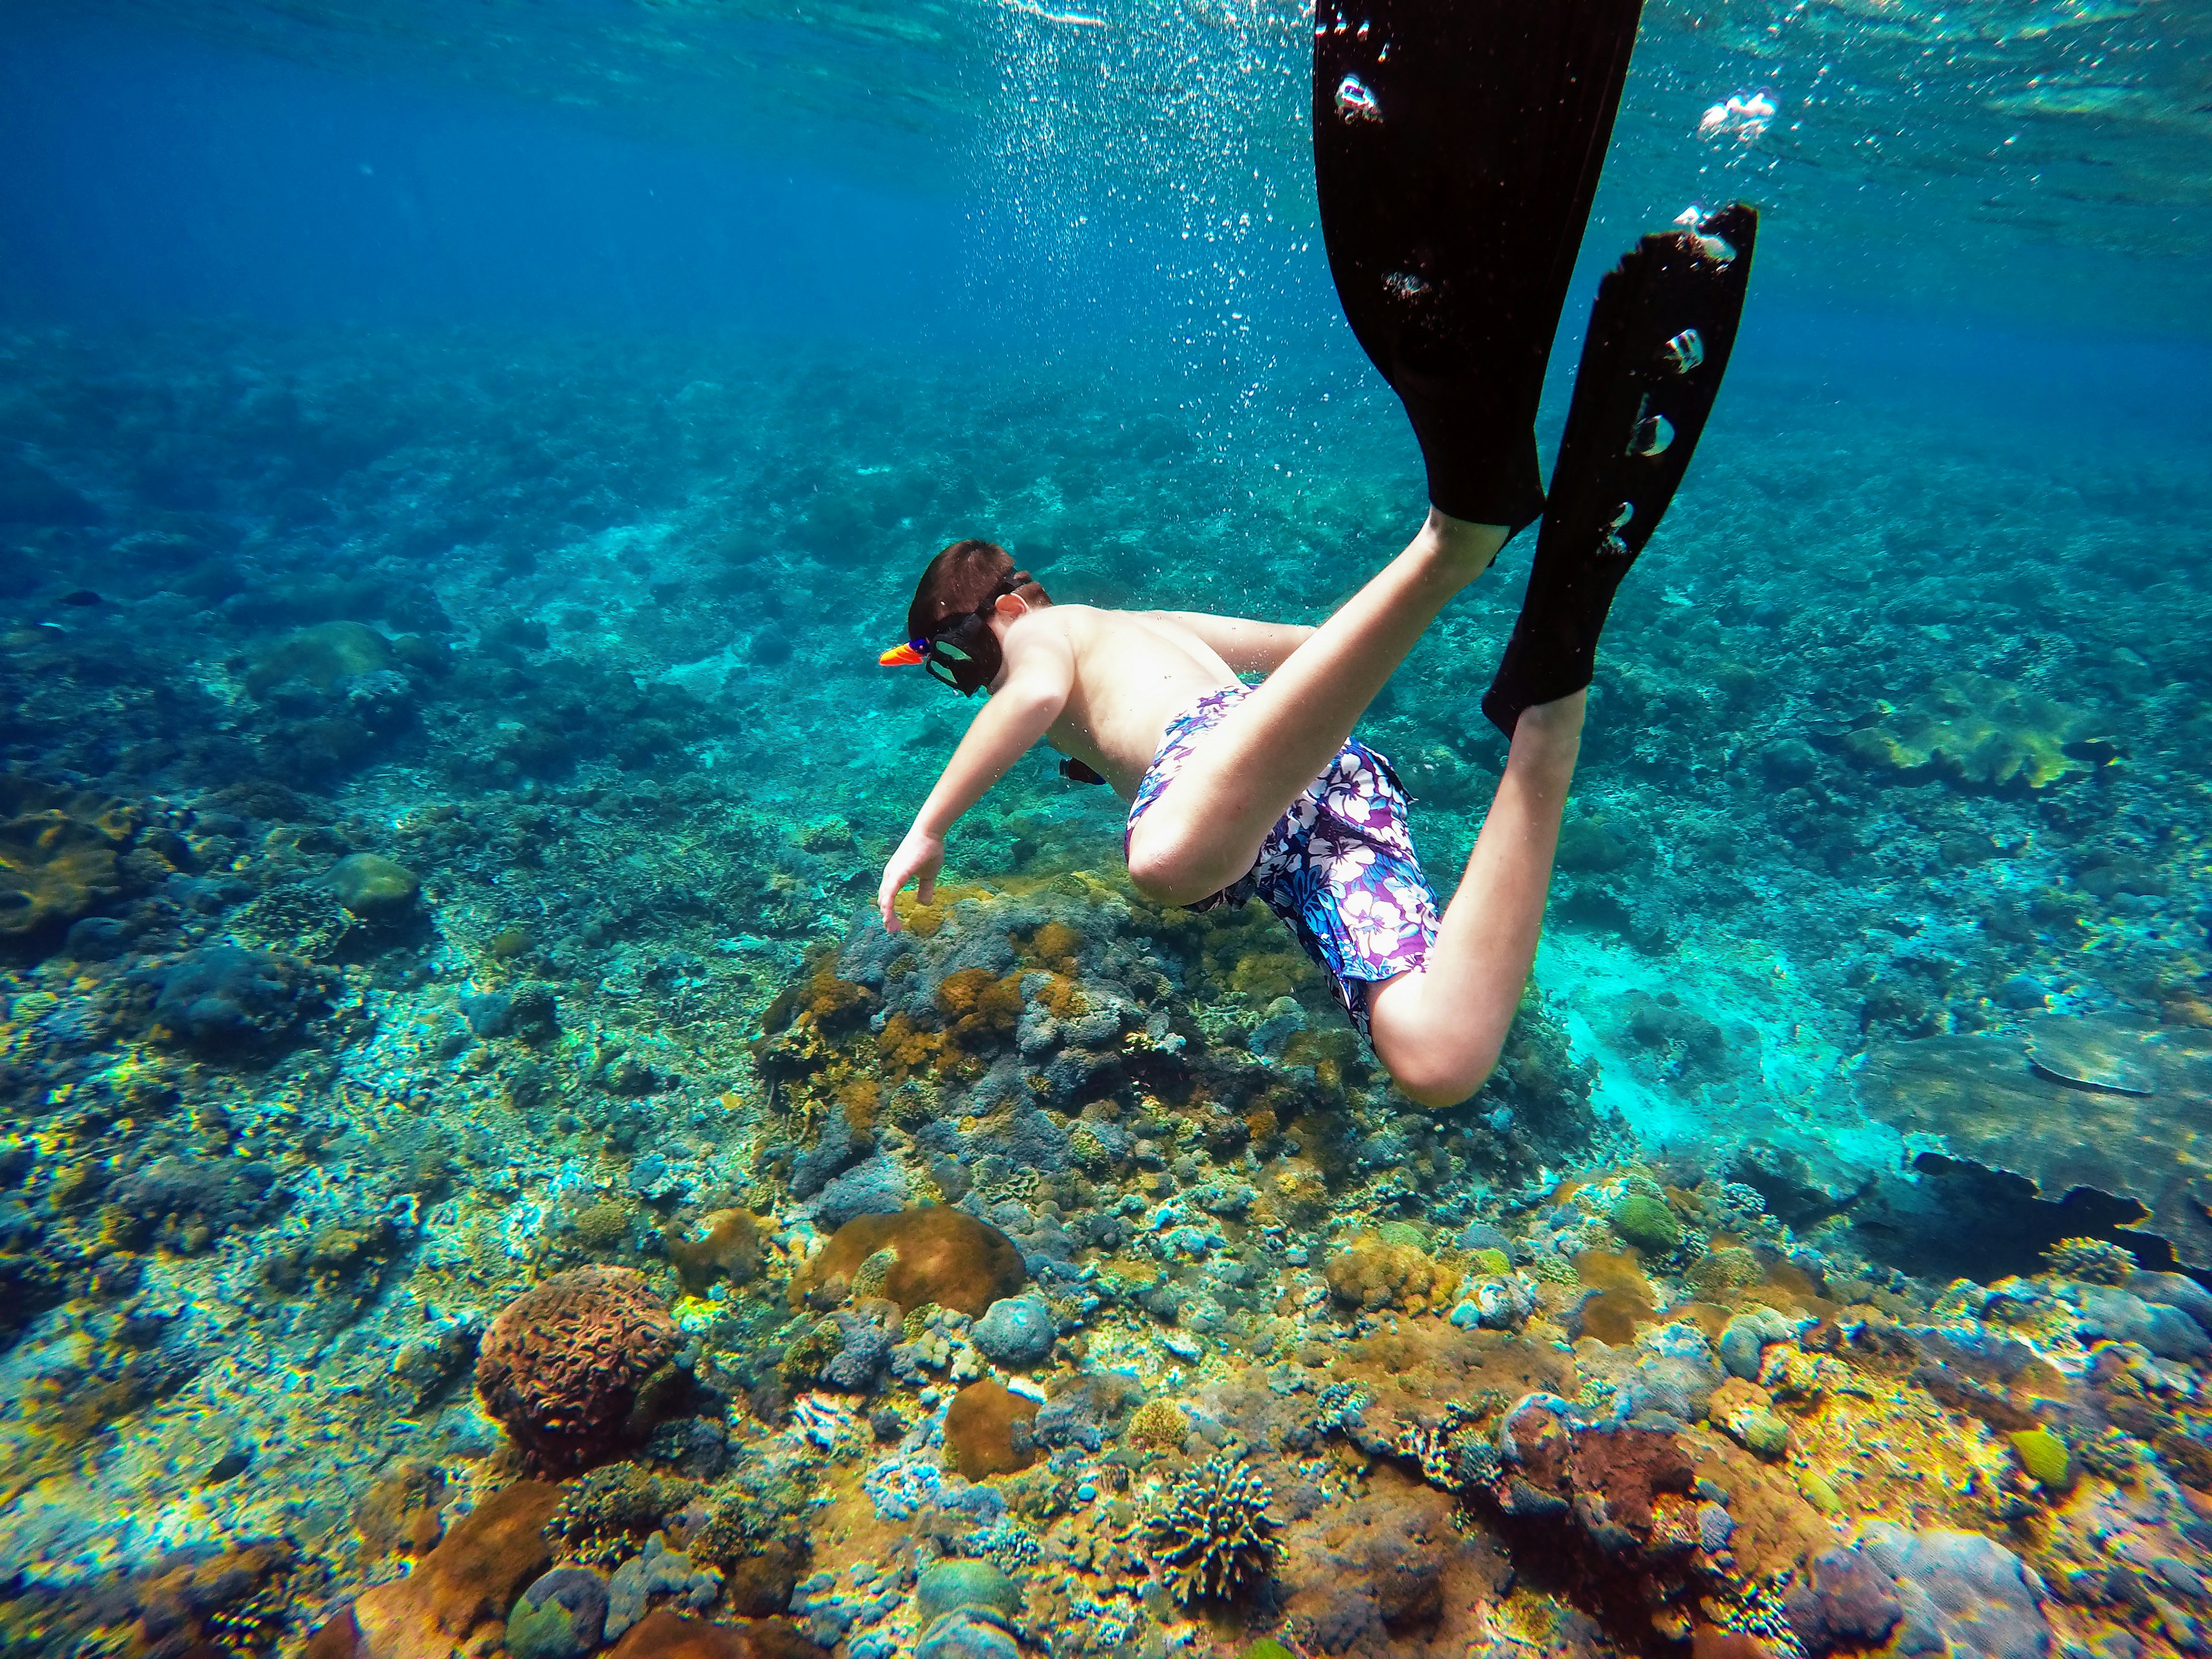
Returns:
point(1462, 543)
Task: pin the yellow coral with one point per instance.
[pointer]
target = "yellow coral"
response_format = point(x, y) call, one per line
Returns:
point(1983, 730)
point(1156, 1426)
point(1373, 1273)
point(59, 853)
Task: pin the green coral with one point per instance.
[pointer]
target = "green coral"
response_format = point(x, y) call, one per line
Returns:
point(1976, 730)
point(1646, 1222)
point(2045, 1456)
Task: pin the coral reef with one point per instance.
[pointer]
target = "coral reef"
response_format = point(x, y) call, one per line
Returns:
point(569, 1366)
point(442, 858)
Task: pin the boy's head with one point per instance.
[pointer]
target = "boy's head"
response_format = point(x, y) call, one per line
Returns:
point(949, 625)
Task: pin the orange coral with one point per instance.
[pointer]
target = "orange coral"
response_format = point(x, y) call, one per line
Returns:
point(462, 1589)
point(1055, 945)
point(831, 1002)
point(979, 1007)
point(902, 1048)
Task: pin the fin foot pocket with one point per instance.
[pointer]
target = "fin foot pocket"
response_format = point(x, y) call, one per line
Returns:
point(1456, 149)
point(1660, 338)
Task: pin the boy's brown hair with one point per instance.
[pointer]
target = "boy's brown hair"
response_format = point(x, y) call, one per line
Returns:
point(963, 579)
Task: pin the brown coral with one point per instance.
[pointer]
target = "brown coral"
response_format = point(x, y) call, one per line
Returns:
point(1373, 1273)
point(942, 1256)
point(566, 1365)
point(981, 1429)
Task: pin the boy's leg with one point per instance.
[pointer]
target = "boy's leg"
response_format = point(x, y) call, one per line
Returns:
point(1206, 828)
point(1660, 338)
point(1456, 149)
point(1439, 1031)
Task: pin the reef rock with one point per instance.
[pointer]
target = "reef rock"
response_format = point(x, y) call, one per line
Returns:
point(1980, 1100)
point(1015, 1331)
point(568, 1365)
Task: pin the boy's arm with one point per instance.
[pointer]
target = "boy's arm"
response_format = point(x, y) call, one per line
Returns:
point(1248, 647)
point(1040, 673)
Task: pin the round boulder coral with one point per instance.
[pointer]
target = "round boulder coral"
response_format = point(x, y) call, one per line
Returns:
point(567, 1366)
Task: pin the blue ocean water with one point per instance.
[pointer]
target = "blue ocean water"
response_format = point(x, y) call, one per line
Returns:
point(458, 465)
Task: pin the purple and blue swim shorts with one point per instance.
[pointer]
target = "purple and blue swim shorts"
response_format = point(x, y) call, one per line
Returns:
point(1339, 868)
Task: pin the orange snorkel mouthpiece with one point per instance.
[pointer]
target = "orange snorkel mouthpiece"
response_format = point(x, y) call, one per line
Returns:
point(909, 655)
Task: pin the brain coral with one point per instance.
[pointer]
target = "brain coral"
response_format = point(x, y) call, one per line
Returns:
point(566, 1362)
point(1973, 729)
point(941, 1255)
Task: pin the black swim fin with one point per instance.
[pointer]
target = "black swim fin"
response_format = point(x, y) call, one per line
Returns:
point(1457, 147)
point(1660, 336)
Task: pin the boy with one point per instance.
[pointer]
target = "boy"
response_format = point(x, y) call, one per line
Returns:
point(1456, 148)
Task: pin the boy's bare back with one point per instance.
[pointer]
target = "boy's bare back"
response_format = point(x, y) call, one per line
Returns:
point(1126, 674)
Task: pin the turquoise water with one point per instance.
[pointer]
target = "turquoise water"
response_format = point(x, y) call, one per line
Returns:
point(456, 466)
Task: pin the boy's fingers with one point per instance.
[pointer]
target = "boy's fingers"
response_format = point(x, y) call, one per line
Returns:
point(926, 887)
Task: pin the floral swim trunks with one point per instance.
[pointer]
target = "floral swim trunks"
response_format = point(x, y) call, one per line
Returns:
point(1338, 867)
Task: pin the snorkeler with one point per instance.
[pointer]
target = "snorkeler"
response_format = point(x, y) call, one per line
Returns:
point(1457, 147)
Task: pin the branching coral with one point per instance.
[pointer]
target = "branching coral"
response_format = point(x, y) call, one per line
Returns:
point(1213, 1536)
point(2091, 1261)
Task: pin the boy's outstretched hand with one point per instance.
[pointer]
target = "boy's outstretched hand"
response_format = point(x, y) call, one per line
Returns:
point(919, 858)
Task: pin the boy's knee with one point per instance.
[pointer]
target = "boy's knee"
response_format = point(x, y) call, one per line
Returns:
point(1432, 1073)
point(1167, 873)
point(1440, 1088)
